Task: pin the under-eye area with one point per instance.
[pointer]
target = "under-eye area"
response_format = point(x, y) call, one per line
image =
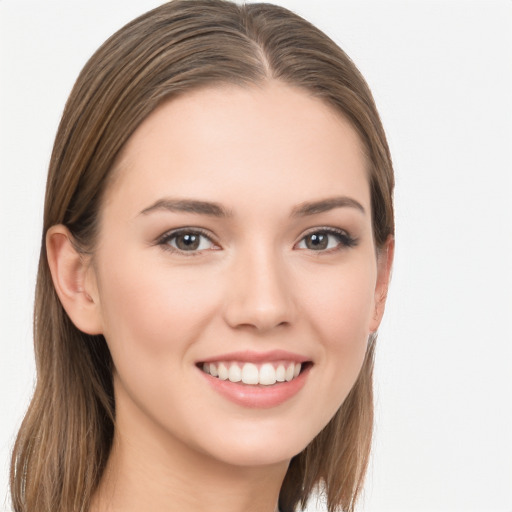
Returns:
point(254, 374)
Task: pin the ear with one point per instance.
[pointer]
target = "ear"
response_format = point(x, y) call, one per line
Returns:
point(384, 264)
point(74, 280)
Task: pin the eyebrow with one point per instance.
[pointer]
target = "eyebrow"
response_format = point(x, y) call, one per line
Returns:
point(188, 206)
point(312, 208)
point(216, 210)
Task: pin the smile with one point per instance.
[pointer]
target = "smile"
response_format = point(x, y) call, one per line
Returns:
point(265, 374)
point(256, 379)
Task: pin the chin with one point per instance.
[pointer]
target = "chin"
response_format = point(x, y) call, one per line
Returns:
point(262, 443)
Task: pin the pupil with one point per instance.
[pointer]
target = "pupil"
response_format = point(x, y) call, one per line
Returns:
point(317, 241)
point(188, 242)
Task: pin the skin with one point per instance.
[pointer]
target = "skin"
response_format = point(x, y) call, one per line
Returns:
point(253, 284)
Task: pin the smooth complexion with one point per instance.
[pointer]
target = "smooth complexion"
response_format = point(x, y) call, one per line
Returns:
point(236, 229)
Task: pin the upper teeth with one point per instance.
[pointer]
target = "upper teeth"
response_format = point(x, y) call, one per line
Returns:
point(249, 373)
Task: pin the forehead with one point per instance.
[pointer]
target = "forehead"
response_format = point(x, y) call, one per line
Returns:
point(229, 142)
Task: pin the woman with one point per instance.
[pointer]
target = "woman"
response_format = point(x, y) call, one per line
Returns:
point(205, 341)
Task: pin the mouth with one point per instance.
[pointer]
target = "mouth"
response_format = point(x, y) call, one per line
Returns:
point(254, 379)
point(268, 373)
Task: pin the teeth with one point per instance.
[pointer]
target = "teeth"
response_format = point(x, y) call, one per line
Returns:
point(250, 374)
point(235, 374)
point(280, 373)
point(290, 370)
point(266, 374)
point(223, 371)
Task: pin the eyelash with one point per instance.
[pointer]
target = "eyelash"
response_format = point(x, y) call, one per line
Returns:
point(165, 239)
point(345, 241)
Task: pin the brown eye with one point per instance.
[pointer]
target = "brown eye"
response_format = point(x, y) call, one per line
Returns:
point(186, 241)
point(317, 241)
point(326, 240)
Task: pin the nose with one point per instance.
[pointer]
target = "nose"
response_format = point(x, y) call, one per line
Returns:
point(260, 292)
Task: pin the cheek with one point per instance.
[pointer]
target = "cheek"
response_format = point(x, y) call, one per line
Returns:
point(340, 308)
point(341, 302)
point(145, 308)
point(350, 325)
point(153, 315)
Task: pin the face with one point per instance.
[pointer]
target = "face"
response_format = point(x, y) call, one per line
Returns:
point(235, 274)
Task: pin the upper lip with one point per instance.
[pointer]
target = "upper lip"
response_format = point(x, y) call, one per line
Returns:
point(250, 356)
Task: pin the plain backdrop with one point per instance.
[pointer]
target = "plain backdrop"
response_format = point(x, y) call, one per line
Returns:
point(441, 74)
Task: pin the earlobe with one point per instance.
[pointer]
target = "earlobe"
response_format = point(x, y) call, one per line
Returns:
point(384, 265)
point(74, 280)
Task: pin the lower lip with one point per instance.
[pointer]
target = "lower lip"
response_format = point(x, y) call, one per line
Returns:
point(258, 397)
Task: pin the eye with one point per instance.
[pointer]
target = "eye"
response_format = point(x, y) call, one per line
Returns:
point(187, 240)
point(326, 239)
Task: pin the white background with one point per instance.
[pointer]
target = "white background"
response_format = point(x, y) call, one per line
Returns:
point(441, 73)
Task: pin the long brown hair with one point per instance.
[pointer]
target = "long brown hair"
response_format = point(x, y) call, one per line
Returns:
point(66, 436)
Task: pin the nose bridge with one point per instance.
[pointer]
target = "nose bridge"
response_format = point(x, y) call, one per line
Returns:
point(260, 289)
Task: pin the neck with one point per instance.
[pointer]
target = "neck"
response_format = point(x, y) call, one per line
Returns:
point(150, 471)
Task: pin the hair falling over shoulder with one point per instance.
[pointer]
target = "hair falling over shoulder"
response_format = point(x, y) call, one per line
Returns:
point(66, 436)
